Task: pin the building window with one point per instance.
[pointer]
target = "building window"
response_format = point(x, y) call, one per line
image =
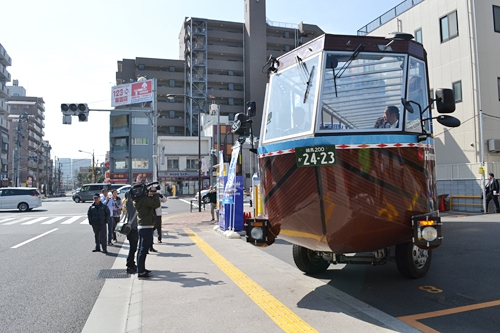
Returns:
point(449, 27)
point(287, 48)
point(172, 164)
point(13, 106)
point(171, 69)
point(26, 107)
point(119, 144)
point(171, 114)
point(230, 101)
point(140, 163)
point(121, 164)
point(171, 83)
point(119, 121)
point(418, 35)
point(498, 85)
point(457, 91)
point(191, 164)
point(141, 67)
point(287, 34)
point(140, 121)
point(171, 100)
point(230, 73)
point(140, 141)
point(230, 86)
point(171, 130)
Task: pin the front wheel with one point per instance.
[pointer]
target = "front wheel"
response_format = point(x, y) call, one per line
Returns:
point(412, 261)
point(308, 261)
point(77, 199)
point(206, 199)
point(23, 207)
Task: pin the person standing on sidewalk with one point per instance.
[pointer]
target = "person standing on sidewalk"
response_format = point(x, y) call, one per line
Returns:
point(98, 215)
point(146, 219)
point(492, 192)
point(212, 196)
point(158, 213)
point(117, 210)
point(133, 236)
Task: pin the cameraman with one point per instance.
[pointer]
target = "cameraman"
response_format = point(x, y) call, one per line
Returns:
point(146, 219)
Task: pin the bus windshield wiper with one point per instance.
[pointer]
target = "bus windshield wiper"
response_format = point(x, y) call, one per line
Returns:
point(341, 71)
point(308, 83)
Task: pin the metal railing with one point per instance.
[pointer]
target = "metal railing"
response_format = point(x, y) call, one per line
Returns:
point(387, 16)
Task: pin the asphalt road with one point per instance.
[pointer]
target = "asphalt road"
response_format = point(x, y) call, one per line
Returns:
point(459, 294)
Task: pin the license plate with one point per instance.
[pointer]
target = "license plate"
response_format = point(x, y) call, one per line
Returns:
point(315, 156)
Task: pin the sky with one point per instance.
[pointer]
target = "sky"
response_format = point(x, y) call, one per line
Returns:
point(67, 51)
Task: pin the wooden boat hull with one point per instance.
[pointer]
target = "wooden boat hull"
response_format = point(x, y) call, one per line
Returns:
point(362, 203)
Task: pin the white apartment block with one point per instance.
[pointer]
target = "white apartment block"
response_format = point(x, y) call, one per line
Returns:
point(462, 40)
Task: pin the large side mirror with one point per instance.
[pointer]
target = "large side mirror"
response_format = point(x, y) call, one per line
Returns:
point(448, 121)
point(445, 100)
point(251, 109)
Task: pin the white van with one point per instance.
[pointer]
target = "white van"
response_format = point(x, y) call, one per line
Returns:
point(22, 198)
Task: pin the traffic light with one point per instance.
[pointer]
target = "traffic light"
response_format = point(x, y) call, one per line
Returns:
point(241, 125)
point(83, 112)
point(74, 109)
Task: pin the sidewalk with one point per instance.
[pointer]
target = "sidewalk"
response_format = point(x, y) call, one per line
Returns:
point(205, 282)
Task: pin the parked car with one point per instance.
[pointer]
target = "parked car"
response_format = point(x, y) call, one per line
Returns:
point(22, 198)
point(122, 190)
point(87, 191)
point(204, 193)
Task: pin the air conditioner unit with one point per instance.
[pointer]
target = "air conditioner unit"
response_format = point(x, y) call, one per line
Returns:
point(494, 145)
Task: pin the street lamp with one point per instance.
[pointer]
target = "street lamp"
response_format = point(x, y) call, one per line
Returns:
point(93, 171)
point(172, 96)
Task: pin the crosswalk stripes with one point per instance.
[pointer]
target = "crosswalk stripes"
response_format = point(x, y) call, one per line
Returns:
point(71, 220)
point(80, 219)
point(35, 220)
point(55, 219)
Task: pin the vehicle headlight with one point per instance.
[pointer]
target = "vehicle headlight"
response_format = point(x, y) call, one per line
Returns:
point(429, 233)
point(256, 233)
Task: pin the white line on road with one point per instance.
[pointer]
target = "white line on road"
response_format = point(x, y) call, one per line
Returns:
point(35, 220)
point(71, 220)
point(86, 221)
point(16, 221)
point(5, 220)
point(55, 219)
point(32, 239)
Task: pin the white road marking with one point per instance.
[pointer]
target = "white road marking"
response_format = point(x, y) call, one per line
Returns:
point(71, 220)
point(55, 219)
point(35, 220)
point(32, 239)
point(16, 221)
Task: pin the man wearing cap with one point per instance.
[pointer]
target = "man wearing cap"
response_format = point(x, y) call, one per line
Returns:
point(99, 216)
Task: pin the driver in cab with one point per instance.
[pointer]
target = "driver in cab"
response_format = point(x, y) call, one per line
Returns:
point(390, 118)
point(299, 122)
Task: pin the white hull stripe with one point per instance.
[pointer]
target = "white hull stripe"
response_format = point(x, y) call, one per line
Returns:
point(362, 146)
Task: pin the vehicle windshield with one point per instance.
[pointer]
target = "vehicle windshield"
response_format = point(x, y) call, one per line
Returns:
point(346, 95)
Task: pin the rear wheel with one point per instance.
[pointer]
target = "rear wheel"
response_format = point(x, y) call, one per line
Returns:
point(308, 261)
point(205, 199)
point(412, 261)
point(23, 207)
point(77, 199)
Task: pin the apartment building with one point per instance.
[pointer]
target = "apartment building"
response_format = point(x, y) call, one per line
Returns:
point(27, 115)
point(5, 61)
point(219, 62)
point(462, 39)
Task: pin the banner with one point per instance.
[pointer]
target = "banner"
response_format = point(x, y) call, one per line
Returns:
point(132, 93)
point(229, 190)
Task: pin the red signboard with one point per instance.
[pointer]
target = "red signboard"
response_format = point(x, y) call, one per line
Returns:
point(118, 175)
point(132, 93)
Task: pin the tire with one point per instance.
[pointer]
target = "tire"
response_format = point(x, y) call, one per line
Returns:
point(205, 199)
point(412, 261)
point(77, 199)
point(23, 207)
point(308, 261)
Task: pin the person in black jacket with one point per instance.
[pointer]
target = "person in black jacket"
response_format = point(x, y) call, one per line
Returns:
point(99, 216)
point(491, 190)
point(133, 236)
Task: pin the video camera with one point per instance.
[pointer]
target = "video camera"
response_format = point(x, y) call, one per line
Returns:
point(140, 191)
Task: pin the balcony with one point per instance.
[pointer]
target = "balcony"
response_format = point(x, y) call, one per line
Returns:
point(3, 91)
point(225, 65)
point(5, 59)
point(167, 122)
point(4, 74)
